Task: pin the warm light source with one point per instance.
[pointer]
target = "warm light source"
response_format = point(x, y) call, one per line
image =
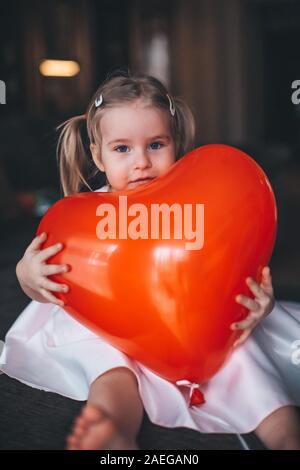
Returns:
point(59, 68)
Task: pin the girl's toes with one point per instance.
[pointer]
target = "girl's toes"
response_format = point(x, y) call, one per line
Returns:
point(90, 416)
point(92, 413)
point(72, 442)
point(79, 422)
point(79, 430)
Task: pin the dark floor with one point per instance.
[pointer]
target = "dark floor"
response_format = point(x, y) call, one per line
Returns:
point(33, 419)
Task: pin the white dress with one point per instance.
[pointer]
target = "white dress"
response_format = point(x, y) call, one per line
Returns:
point(48, 349)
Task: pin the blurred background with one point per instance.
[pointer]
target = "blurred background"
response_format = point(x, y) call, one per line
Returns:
point(233, 61)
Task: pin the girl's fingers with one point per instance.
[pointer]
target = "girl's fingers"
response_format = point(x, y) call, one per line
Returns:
point(249, 303)
point(50, 251)
point(48, 269)
point(245, 335)
point(267, 280)
point(53, 286)
point(266, 273)
point(249, 322)
point(52, 298)
point(254, 287)
point(36, 242)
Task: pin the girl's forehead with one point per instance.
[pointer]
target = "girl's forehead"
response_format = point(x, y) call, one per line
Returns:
point(134, 109)
point(134, 117)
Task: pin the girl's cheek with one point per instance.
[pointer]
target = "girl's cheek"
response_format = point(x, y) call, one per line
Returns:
point(169, 162)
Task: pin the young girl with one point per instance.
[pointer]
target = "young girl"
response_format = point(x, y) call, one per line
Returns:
point(136, 131)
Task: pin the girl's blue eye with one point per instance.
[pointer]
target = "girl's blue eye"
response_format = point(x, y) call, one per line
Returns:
point(121, 146)
point(153, 143)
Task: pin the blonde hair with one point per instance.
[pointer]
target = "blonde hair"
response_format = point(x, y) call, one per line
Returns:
point(76, 165)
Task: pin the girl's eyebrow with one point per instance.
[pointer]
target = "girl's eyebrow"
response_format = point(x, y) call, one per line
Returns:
point(150, 138)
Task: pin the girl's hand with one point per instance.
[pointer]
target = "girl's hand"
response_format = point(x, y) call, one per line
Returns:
point(32, 271)
point(259, 307)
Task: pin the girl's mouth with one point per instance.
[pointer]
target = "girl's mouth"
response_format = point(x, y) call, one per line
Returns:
point(142, 180)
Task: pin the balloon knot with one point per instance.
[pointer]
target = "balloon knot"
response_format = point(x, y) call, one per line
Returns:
point(196, 397)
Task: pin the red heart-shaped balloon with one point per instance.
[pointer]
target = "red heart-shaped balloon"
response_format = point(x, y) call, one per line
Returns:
point(160, 301)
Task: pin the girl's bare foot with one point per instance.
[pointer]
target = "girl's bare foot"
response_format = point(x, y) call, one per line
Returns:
point(95, 430)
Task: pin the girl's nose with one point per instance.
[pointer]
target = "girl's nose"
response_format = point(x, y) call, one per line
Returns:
point(142, 160)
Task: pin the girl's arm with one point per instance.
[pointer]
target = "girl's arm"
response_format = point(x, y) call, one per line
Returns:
point(259, 307)
point(32, 271)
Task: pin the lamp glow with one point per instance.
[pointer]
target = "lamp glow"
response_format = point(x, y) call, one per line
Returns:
point(59, 68)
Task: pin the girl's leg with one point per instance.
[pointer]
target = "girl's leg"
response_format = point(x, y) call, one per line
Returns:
point(113, 414)
point(281, 429)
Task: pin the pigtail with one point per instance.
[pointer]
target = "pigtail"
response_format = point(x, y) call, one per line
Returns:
point(185, 127)
point(72, 156)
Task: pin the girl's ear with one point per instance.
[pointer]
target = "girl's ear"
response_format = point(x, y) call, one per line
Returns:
point(96, 156)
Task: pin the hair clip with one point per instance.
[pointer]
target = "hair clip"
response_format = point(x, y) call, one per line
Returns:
point(172, 108)
point(99, 101)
